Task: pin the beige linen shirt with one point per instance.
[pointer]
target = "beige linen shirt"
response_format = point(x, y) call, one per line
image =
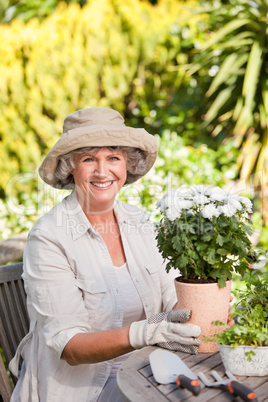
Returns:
point(72, 288)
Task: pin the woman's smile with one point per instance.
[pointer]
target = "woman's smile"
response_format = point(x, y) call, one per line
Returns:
point(102, 184)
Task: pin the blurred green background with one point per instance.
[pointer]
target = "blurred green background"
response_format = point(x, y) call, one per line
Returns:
point(193, 73)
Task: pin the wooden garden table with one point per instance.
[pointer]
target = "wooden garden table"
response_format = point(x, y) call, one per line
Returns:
point(137, 384)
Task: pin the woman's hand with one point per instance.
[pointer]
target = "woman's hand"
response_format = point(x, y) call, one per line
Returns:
point(169, 330)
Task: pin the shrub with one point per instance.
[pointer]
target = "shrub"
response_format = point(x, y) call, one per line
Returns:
point(110, 53)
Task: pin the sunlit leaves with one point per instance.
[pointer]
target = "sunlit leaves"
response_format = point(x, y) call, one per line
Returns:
point(108, 53)
point(237, 98)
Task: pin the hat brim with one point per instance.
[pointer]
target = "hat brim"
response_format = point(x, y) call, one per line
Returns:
point(98, 136)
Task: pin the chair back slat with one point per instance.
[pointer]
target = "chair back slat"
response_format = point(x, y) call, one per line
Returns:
point(7, 337)
point(21, 310)
point(11, 330)
point(14, 319)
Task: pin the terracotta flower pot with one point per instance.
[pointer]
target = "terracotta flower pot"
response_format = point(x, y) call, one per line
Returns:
point(208, 302)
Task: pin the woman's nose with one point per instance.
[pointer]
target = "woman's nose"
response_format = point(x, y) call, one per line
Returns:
point(101, 169)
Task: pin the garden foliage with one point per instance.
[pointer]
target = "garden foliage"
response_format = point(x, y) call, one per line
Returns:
point(27, 9)
point(234, 54)
point(110, 53)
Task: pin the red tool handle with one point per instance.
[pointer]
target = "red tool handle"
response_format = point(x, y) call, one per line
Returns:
point(242, 390)
point(186, 382)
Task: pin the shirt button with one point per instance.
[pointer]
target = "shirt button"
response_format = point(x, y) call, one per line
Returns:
point(137, 279)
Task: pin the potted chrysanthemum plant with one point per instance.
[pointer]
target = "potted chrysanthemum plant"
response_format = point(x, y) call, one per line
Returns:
point(204, 234)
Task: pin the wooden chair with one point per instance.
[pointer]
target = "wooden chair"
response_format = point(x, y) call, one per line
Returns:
point(14, 321)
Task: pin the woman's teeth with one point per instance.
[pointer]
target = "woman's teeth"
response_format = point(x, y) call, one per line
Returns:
point(102, 185)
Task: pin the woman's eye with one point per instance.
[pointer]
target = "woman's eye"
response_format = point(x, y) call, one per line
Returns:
point(114, 158)
point(88, 159)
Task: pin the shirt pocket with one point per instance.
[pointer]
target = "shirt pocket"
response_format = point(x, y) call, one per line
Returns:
point(95, 295)
point(153, 273)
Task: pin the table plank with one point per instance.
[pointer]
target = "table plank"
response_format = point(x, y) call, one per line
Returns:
point(137, 384)
point(136, 381)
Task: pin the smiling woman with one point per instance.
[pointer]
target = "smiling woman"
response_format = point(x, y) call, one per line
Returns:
point(95, 281)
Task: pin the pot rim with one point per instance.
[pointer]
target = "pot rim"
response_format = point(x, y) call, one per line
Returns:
point(201, 283)
point(241, 346)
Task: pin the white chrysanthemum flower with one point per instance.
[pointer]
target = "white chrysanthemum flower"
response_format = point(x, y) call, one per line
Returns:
point(211, 190)
point(234, 201)
point(174, 201)
point(182, 193)
point(184, 204)
point(260, 263)
point(199, 189)
point(166, 201)
point(218, 195)
point(228, 210)
point(247, 204)
point(210, 211)
point(159, 205)
point(172, 213)
point(200, 199)
point(169, 205)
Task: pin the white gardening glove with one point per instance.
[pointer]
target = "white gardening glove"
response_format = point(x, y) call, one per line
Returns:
point(166, 330)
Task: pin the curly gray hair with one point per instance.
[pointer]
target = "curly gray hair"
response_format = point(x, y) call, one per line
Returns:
point(136, 164)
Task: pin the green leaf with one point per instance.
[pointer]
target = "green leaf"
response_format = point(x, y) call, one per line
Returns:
point(223, 96)
point(207, 237)
point(244, 121)
point(226, 29)
point(238, 108)
point(176, 242)
point(252, 73)
point(182, 261)
point(265, 97)
point(220, 240)
point(238, 41)
point(263, 116)
point(211, 255)
point(221, 283)
point(222, 251)
point(231, 64)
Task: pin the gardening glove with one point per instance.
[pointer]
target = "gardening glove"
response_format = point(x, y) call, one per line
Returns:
point(166, 330)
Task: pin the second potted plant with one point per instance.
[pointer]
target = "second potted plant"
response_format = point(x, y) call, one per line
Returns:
point(204, 234)
point(244, 346)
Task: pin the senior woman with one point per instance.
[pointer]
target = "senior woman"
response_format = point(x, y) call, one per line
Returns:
point(95, 282)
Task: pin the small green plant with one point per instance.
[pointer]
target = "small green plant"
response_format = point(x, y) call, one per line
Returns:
point(251, 314)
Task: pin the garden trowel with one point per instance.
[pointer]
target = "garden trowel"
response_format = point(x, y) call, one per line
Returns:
point(167, 367)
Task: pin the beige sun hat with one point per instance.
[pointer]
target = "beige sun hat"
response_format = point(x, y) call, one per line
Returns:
point(96, 127)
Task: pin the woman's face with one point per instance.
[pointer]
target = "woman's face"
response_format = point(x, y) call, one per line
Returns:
point(98, 178)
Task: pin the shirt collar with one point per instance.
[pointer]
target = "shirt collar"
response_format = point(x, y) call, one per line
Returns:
point(129, 214)
point(79, 223)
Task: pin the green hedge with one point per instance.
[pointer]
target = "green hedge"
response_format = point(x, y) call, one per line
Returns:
point(110, 53)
